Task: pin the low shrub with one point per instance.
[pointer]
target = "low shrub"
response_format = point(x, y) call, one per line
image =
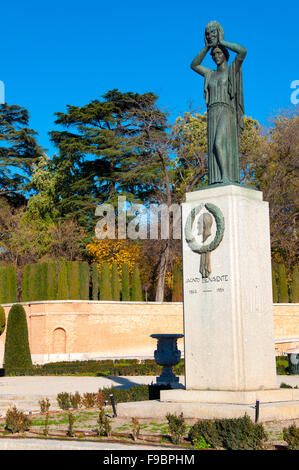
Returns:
point(176, 427)
point(44, 405)
point(232, 434)
point(63, 400)
point(291, 436)
point(75, 400)
point(100, 399)
point(200, 443)
point(16, 421)
point(104, 427)
point(89, 400)
point(135, 393)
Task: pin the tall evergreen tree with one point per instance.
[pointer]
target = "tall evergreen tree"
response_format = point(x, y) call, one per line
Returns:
point(95, 282)
point(114, 131)
point(19, 149)
point(62, 282)
point(2, 320)
point(3, 285)
point(17, 352)
point(115, 283)
point(26, 283)
point(137, 295)
point(295, 285)
point(43, 281)
point(105, 283)
point(274, 284)
point(177, 285)
point(32, 285)
point(51, 276)
point(125, 283)
point(84, 280)
point(74, 280)
point(283, 294)
point(8, 285)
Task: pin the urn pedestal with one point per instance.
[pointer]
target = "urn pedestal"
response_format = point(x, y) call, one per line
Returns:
point(167, 355)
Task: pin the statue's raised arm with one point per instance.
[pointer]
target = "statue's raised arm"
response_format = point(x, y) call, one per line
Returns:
point(223, 94)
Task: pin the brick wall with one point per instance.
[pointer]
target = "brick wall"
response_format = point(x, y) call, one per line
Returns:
point(71, 330)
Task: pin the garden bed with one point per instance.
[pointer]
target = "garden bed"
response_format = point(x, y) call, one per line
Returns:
point(152, 431)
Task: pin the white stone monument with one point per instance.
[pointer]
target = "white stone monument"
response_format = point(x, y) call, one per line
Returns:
point(228, 319)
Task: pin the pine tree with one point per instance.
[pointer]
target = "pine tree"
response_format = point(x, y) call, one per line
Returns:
point(19, 149)
point(51, 276)
point(177, 284)
point(62, 282)
point(274, 284)
point(84, 280)
point(105, 283)
point(125, 283)
point(95, 282)
point(295, 285)
point(283, 294)
point(115, 283)
point(137, 295)
point(2, 320)
point(17, 352)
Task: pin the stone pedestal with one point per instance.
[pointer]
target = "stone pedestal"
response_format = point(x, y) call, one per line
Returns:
point(228, 319)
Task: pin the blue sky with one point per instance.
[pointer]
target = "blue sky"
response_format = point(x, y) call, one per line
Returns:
point(70, 52)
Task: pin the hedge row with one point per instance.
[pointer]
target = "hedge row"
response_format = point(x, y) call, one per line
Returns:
point(97, 368)
point(75, 280)
point(285, 287)
point(66, 280)
point(8, 285)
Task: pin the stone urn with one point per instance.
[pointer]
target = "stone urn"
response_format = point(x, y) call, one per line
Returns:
point(167, 355)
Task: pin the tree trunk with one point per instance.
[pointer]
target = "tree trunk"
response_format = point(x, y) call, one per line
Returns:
point(162, 272)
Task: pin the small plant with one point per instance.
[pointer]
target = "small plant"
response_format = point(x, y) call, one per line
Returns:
point(233, 434)
point(200, 443)
point(100, 399)
point(63, 400)
point(70, 431)
point(16, 421)
point(75, 400)
point(46, 428)
point(136, 429)
point(44, 405)
point(291, 436)
point(176, 427)
point(89, 400)
point(104, 428)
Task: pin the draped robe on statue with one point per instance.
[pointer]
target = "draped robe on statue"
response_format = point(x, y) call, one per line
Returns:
point(223, 94)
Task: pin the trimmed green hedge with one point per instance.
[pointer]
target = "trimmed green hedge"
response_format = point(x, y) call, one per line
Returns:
point(96, 368)
point(8, 285)
point(231, 434)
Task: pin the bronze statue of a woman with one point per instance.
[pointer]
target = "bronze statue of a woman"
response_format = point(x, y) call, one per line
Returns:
point(223, 94)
